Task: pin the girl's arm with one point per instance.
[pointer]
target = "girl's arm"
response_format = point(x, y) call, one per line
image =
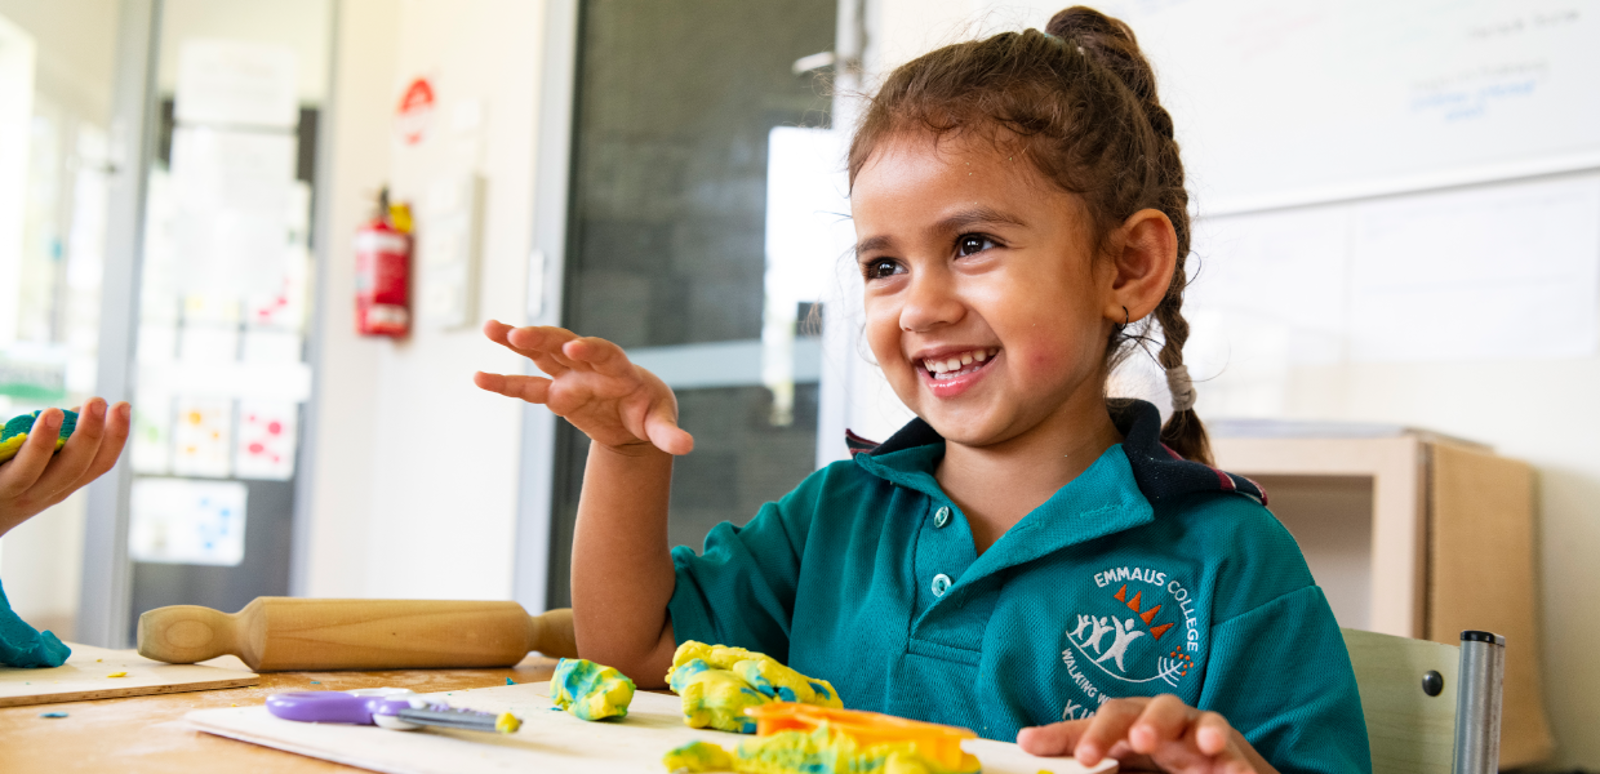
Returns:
point(622, 576)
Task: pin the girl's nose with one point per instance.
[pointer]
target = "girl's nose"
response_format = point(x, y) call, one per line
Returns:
point(931, 301)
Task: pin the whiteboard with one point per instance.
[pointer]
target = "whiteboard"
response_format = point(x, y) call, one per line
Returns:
point(1280, 103)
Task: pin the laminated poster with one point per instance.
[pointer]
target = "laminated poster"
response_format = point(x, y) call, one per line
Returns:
point(266, 440)
point(202, 437)
point(179, 521)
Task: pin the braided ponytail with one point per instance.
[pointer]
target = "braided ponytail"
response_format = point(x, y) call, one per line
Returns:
point(1079, 100)
point(1111, 43)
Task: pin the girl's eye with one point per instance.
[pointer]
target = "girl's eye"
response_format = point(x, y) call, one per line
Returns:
point(878, 268)
point(969, 244)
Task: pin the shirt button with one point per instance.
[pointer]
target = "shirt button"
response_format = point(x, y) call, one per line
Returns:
point(941, 517)
point(941, 584)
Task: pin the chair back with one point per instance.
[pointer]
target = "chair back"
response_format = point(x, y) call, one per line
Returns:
point(1410, 732)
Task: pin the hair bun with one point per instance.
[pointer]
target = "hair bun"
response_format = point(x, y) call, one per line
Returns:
point(1112, 43)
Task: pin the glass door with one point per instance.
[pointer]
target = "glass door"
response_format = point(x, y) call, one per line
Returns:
point(675, 107)
point(223, 320)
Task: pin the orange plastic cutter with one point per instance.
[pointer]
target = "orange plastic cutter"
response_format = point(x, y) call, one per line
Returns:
point(938, 743)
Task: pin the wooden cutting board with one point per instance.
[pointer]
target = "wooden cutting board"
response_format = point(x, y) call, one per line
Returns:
point(86, 675)
point(549, 742)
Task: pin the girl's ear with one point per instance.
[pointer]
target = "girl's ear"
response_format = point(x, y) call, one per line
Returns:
point(1144, 254)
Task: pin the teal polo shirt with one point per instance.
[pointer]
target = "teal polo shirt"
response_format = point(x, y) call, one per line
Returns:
point(1147, 574)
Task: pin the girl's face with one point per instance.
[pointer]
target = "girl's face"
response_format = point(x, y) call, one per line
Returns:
point(986, 306)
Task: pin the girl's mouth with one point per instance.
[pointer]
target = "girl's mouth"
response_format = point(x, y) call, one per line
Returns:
point(951, 373)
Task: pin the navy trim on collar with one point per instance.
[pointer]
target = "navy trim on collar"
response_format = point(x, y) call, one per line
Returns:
point(1159, 471)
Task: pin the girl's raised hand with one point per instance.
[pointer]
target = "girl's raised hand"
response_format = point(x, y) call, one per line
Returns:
point(1145, 734)
point(593, 385)
point(39, 476)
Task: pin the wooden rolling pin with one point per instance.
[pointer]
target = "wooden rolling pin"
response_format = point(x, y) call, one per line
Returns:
point(274, 634)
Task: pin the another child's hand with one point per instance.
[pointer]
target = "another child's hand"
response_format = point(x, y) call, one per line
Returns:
point(1161, 734)
point(593, 385)
point(39, 477)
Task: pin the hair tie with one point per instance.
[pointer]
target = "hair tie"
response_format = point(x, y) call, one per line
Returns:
point(1182, 389)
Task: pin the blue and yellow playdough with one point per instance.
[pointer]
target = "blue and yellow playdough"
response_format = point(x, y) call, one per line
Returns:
point(824, 750)
point(590, 691)
point(698, 756)
point(17, 428)
point(717, 683)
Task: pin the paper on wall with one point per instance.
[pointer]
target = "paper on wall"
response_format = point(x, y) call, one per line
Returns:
point(236, 82)
point(284, 307)
point(232, 190)
point(266, 444)
point(208, 343)
point(178, 521)
point(202, 437)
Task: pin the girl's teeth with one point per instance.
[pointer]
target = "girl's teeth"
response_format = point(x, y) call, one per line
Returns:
point(955, 362)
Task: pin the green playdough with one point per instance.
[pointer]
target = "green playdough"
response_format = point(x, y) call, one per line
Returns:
point(717, 683)
point(590, 691)
point(17, 428)
point(22, 645)
point(807, 752)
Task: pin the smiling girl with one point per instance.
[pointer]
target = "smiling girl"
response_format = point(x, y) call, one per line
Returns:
point(1027, 558)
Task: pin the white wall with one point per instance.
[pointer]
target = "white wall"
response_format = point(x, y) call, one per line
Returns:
point(1543, 411)
point(415, 467)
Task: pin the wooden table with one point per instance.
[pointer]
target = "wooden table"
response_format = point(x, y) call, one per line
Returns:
point(147, 733)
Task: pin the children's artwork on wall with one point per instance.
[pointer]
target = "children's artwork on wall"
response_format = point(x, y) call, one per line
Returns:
point(179, 521)
point(150, 441)
point(284, 307)
point(266, 439)
point(202, 435)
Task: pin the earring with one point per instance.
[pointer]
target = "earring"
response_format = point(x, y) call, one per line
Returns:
point(1124, 317)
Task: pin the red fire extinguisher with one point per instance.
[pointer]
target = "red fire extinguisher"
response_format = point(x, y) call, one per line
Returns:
point(383, 271)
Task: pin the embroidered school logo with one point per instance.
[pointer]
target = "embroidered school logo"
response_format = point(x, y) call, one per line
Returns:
point(1142, 632)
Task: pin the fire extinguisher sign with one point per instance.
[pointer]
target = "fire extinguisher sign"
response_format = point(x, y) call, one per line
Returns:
point(415, 111)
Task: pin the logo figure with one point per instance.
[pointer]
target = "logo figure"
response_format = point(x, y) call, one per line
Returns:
point(1090, 633)
point(1125, 637)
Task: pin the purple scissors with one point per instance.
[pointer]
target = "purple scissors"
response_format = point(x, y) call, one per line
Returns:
point(393, 708)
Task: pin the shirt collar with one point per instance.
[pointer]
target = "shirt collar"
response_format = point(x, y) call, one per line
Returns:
point(1117, 492)
point(910, 456)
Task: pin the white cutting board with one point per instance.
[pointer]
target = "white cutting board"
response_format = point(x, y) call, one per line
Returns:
point(87, 675)
point(550, 741)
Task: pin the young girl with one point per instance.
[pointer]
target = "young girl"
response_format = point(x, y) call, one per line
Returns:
point(1027, 558)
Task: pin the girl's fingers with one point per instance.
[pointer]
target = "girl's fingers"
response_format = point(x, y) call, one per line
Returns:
point(661, 426)
point(531, 343)
point(1109, 725)
point(533, 389)
point(119, 419)
point(1053, 740)
point(603, 356)
point(1212, 733)
point(1165, 719)
point(19, 474)
point(75, 457)
point(543, 346)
